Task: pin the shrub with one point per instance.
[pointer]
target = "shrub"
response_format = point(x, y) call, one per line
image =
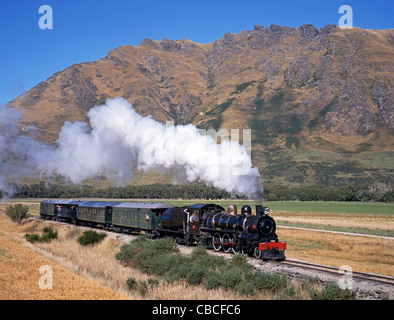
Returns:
point(160, 257)
point(270, 282)
point(47, 235)
point(146, 254)
point(245, 288)
point(289, 293)
point(231, 278)
point(142, 286)
point(153, 282)
point(131, 283)
point(213, 280)
point(17, 212)
point(177, 267)
point(239, 261)
point(199, 252)
point(195, 275)
point(331, 291)
point(141, 244)
point(90, 237)
point(32, 237)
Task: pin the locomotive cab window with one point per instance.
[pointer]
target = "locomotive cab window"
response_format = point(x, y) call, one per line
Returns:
point(194, 215)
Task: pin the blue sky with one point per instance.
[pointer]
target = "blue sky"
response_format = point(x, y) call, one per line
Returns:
point(86, 30)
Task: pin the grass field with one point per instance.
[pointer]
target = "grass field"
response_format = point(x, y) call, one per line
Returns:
point(364, 254)
point(19, 270)
point(291, 206)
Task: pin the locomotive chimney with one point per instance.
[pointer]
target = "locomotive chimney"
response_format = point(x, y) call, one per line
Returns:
point(260, 210)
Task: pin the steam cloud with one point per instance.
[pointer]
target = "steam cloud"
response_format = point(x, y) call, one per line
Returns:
point(118, 140)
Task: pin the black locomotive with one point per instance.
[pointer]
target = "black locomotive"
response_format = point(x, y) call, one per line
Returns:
point(208, 225)
point(212, 226)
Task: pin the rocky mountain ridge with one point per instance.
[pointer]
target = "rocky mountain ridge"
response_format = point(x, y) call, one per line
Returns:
point(319, 101)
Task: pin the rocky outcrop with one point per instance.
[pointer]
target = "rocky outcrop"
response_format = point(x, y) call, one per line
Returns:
point(382, 95)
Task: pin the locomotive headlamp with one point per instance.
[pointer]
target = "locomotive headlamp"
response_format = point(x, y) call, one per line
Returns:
point(266, 211)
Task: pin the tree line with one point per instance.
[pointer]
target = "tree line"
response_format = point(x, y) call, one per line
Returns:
point(363, 193)
point(377, 192)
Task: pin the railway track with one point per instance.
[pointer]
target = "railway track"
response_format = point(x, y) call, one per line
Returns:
point(382, 279)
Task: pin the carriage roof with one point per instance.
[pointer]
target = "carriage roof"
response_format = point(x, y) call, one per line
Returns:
point(144, 205)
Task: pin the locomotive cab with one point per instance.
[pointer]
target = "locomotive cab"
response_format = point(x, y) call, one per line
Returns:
point(193, 221)
point(186, 221)
point(197, 212)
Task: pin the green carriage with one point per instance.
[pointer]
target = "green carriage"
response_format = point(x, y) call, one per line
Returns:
point(64, 210)
point(96, 212)
point(138, 215)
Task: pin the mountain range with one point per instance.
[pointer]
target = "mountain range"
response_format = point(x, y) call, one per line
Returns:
point(319, 101)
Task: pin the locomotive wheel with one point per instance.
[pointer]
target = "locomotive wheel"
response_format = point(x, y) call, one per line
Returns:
point(227, 243)
point(257, 253)
point(236, 249)
point(217, 241)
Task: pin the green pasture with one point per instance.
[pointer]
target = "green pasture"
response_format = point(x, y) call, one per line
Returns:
point(289, 206)
point(304, 206)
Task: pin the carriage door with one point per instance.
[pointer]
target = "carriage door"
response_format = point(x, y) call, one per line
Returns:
point(194, 221)
point(108, 215)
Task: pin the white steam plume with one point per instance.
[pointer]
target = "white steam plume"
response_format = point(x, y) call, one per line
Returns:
point(19, 155)
point(118, 140)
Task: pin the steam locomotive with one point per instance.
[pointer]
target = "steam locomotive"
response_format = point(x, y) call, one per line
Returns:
point(208, 225)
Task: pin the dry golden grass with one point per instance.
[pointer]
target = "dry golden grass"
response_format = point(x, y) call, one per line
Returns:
point(19, 276)
point(362, 254)
point(79, 272)
point(92, 272)
point(372, 222)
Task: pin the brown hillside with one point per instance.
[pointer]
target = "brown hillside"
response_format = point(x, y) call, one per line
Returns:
point(318, 101)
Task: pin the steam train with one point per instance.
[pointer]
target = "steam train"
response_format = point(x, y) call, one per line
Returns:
point(208, 225)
